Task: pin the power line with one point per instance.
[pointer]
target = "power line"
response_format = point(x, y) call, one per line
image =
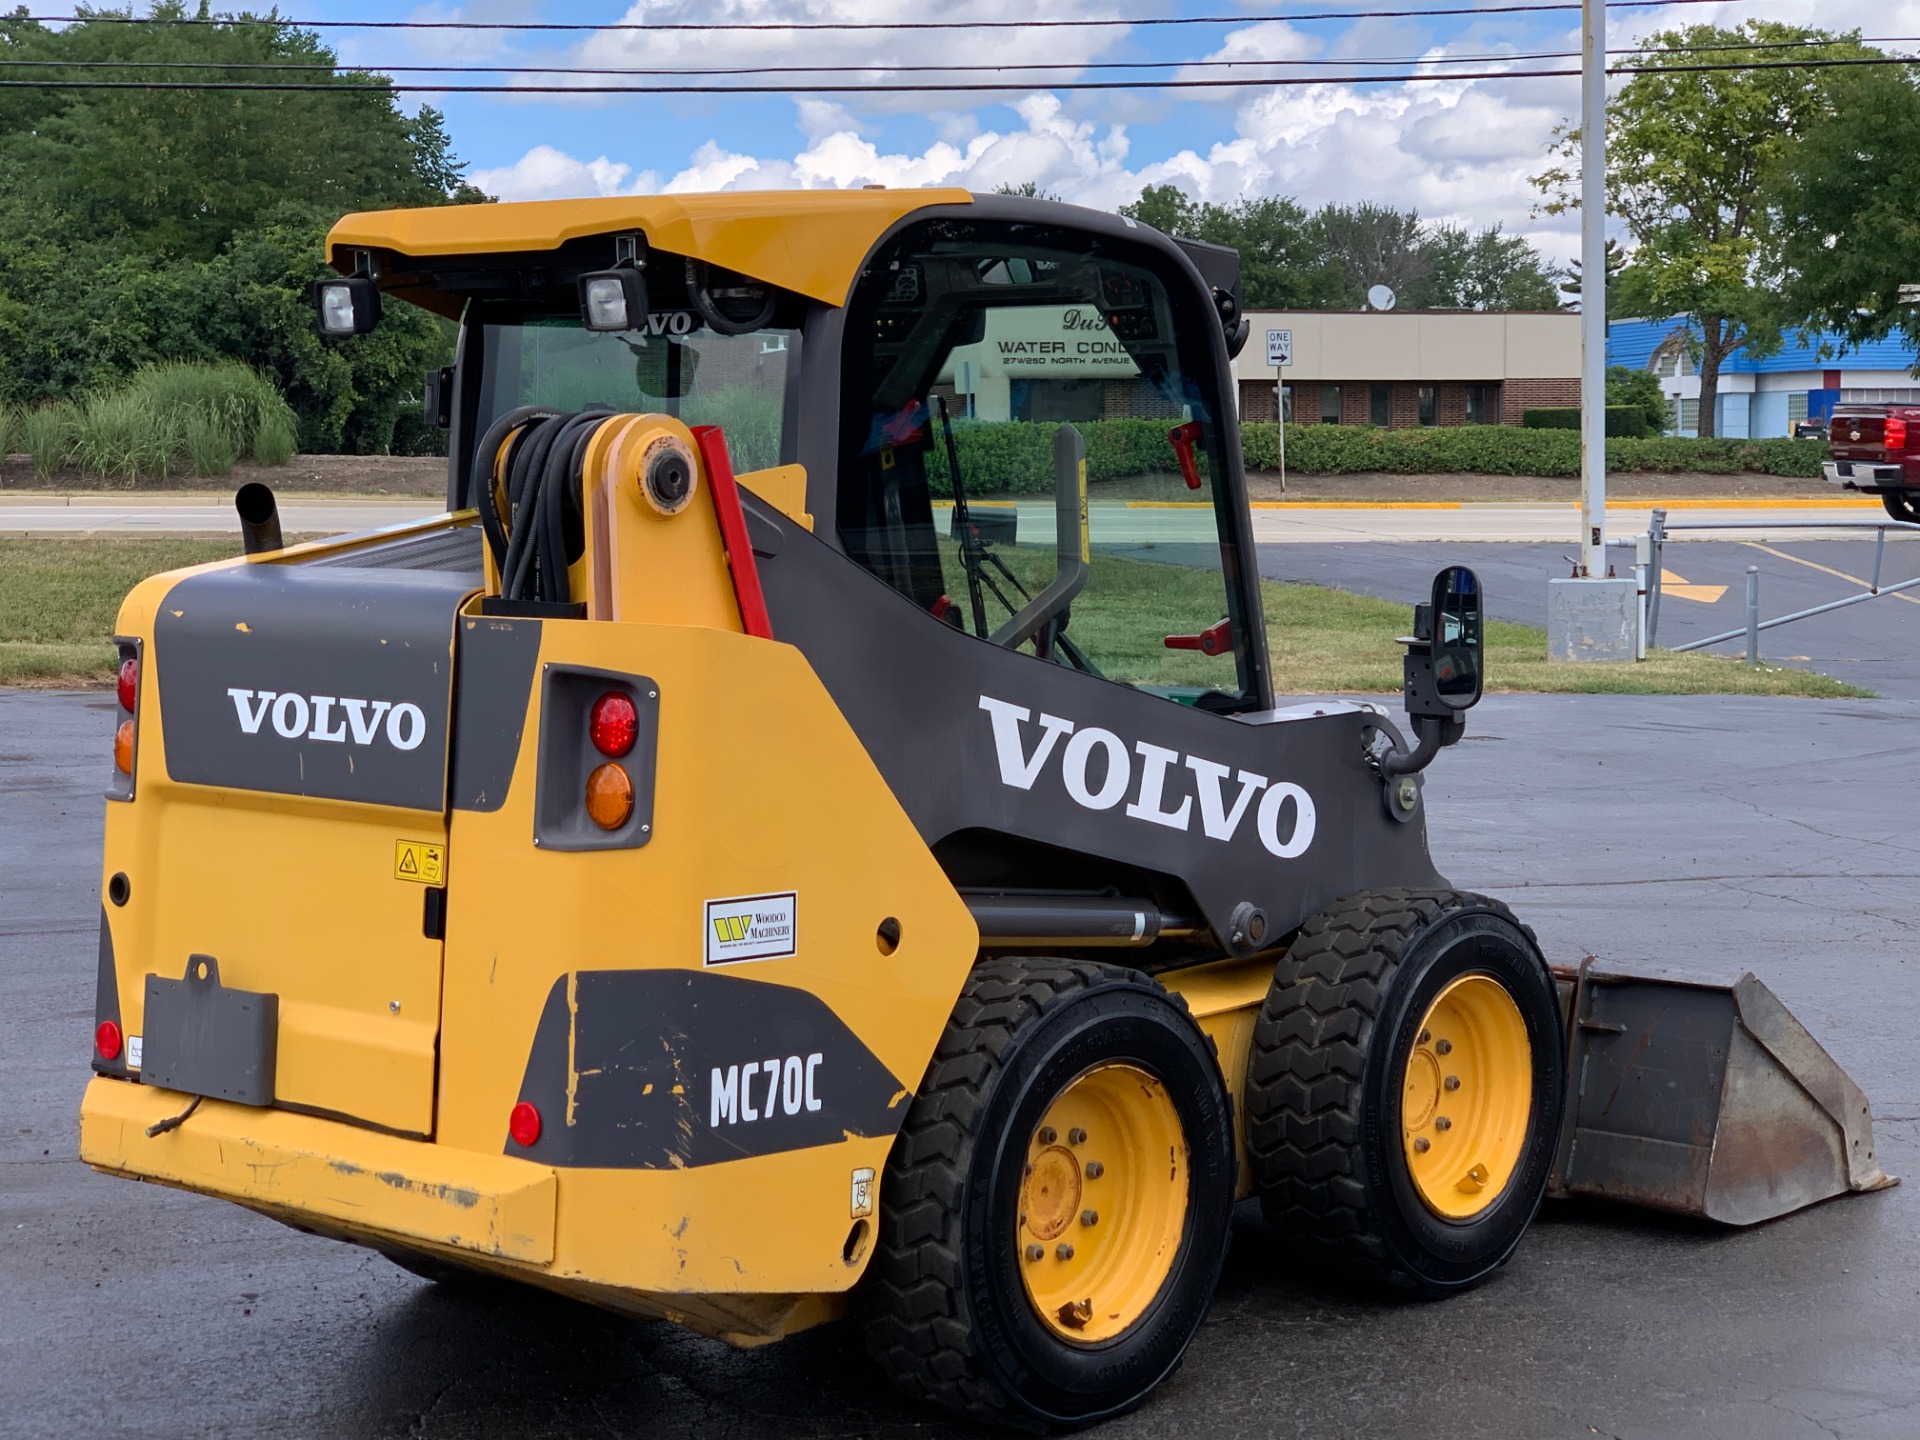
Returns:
point(1098, 22)
point(1495, 57)
point(352, 85)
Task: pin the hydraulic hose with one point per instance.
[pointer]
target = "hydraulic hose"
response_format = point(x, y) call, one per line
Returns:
point(536, 453)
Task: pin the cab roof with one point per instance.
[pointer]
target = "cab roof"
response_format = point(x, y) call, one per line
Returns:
point(811, 242)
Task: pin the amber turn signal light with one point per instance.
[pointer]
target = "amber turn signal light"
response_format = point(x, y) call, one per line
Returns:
point(609, 797)
point(123, 747)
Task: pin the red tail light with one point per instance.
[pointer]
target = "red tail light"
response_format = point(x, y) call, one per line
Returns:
point(129, 682)
point(106, 1039)
point(524, 1125)
point(613, 725)
point(1894, 435)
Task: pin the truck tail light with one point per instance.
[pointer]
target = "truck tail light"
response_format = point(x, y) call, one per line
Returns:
point(106, 1039)
point(524, 1125)
point(609, 796)
point(126, 730)
point(613, 724)
point(1894, 434)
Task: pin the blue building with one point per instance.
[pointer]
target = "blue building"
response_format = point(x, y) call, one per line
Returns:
point(1763, 398)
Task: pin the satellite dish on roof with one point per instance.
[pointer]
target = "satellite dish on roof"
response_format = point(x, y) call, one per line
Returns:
point(1380, 297)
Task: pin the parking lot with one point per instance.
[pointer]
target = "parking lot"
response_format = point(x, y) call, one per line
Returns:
point(1713, 833)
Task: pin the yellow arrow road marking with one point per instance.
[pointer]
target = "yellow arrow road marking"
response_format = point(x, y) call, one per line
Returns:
point(1837, 574)
point(1672, 584)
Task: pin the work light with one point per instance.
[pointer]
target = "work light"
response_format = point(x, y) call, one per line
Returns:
point(347, 307)
point(614, 299)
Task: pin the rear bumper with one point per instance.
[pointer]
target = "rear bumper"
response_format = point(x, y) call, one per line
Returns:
point(1862, 475)
point(370, 1183)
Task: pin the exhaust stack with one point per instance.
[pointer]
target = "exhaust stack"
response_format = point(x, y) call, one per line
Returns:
point(259, 518)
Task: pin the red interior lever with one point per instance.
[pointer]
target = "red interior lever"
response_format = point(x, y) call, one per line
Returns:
point(1216, 639)
point(1184, 438)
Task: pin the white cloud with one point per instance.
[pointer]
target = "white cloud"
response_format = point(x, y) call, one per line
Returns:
point(544, 173)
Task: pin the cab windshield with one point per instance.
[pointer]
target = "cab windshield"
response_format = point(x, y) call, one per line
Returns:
point(967, 348)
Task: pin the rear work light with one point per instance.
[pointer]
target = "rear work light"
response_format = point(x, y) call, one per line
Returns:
point(106, 1039)
point(613, 725)
point(1894, 433)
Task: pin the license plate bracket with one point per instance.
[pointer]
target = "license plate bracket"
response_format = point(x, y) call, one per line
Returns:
point(204, 1038)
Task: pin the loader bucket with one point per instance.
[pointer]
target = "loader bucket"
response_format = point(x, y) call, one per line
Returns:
point(1703, 1097)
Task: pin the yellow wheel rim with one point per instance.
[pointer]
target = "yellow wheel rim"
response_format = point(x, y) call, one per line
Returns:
point(1103, 1203)
point(1466, 1097)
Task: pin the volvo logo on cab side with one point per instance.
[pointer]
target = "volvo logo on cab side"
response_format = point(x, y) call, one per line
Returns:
point(1097, 769)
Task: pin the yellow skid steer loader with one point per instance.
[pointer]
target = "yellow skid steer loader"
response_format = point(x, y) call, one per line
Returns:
point(744, 864)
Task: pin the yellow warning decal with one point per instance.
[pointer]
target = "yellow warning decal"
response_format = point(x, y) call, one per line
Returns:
point(422, 861)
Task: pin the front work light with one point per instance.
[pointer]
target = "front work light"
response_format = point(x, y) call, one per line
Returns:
point(613, 299)
point(347, 307)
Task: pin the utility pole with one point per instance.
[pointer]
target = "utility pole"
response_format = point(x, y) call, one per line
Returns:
point(1593, 288)
point(1591, 617)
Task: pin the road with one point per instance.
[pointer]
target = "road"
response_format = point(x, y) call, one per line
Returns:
point(1711, 833)
point(1117, 523)
point(1875, 644)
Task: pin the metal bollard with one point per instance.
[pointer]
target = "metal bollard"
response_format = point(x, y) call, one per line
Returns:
point(1753, 614)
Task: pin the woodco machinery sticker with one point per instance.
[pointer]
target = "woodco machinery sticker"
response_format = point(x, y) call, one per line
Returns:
point(751, 927)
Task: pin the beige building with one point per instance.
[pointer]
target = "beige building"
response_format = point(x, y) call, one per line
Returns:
point(1406, 368)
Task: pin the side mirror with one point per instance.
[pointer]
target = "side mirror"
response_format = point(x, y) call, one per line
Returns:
point(1458, 668)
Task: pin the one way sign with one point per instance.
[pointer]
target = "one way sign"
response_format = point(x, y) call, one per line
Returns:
point(1279, 347)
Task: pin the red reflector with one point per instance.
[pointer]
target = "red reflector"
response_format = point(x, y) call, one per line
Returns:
point(106, 1039)
point(129, 682)
point(1894, 435)
point(524, 1125)
point(613, 724)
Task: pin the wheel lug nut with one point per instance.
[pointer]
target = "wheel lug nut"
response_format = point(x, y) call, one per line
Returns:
point(1425, 1035)
point(1047, 1135)
point(1089, 1217)
point(1036, 1252)
point(1444, 1047)
point(1441, 1122)
point(1421, 1144)
point(1453, 1082)
point(1065, 1252)
point(1095, 1169)
point(1076, 1136)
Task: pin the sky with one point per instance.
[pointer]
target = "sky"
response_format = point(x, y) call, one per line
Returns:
point(1458, 151)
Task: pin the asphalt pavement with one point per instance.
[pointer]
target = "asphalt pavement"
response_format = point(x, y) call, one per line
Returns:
point(1875, 644)
point(1711, 833)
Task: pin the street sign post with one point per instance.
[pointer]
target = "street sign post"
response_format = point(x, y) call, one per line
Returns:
point(1280, 355)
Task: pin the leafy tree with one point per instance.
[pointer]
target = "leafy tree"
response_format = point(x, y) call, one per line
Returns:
point(1688, 155)
point(1488, 271)
point(1848, 196)
point(1290, 260)
point(1638, 387)
point(187, 224)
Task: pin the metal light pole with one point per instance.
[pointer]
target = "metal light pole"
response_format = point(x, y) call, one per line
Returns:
point(1593, 288)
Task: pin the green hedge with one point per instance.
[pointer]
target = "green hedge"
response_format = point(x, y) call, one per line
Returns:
point(1624, 420)
point(1016, 457)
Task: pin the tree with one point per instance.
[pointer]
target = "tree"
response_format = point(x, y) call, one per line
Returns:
point(1282, 266)
point(1638, 387)
point(1689, 153)
point(1374, 245)
point(1848, 196)
point(1488, 271)
point(148, 225)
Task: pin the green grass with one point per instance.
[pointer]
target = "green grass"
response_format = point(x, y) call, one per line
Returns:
point(58, 600)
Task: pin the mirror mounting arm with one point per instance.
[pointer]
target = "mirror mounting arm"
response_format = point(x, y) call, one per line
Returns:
point(1436, 733)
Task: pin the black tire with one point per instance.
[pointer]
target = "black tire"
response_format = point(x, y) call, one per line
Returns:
point(1325, 1078)
point(944, 1308)
point(1901, 504)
